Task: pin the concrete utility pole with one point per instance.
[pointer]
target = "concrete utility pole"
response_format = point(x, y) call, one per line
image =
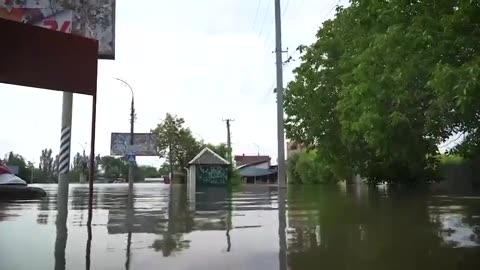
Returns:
point(229, 141)
point(64, 156)
point(282, 179)
point(132, 123)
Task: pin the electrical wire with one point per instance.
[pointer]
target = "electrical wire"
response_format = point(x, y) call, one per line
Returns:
point(256, 14)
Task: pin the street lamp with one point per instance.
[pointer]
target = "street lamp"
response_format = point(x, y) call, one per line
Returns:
point(258, 148)
point(132, 119)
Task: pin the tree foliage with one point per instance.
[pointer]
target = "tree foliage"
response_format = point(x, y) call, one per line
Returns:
point(176, 141)
point(385, 83)
point(306, 167)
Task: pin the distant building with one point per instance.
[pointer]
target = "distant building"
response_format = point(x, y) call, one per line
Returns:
point(256, 169)
point(241, 160)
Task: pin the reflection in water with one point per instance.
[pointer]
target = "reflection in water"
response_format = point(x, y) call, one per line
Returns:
point(43, 210)
point(336, 230)
point(257, 227)
point(130, 216)
point(62, 233)
point(282, 225)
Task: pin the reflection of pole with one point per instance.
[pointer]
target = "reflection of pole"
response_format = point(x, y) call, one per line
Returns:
point(64, 156)
point(62, 234)
point(229, 221)
point(89, 245)
point(282, 225)
point(280, 125)
point(130, 217)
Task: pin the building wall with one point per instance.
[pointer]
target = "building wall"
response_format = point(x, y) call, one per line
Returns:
point(211, 175)
point(265, 165)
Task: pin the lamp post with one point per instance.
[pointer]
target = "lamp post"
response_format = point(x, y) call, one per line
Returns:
point(258, 148)
point(132, 119)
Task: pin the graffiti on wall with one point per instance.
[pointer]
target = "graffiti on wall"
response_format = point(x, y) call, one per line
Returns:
point(212, 175)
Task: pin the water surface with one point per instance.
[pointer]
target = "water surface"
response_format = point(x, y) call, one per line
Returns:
point(317, 228)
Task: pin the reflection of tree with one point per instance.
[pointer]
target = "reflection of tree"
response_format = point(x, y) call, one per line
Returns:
point(171, 219)
point(334, 230)
point(43, 207)
point(171, 244)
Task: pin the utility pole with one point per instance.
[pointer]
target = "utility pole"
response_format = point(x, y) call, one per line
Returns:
point(170, 160)
point(282, 180)
point(229, 141)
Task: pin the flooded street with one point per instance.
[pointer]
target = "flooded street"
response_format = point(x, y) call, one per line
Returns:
point(325, 228)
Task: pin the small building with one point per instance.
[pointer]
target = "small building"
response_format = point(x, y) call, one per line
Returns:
point(208, 168)
point(241, 160)
point(256, 169)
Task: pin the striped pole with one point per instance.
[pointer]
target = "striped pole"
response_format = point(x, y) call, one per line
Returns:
point(64, 156)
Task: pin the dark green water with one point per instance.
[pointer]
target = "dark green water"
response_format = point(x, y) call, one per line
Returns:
point(317, 228)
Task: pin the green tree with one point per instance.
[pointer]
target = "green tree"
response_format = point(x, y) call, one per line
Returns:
point(221, 149)
point(175, 141)
point(18, 160)
point(48, 167)
point(113, 167)
point(149, 171)
point(373, 93)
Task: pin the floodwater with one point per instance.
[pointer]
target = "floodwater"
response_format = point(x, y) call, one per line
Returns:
point(317, 228)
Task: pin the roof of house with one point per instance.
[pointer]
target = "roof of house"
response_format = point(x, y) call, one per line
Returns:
point(242, 159)
point(208, 157)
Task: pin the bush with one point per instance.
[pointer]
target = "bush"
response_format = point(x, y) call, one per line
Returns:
point(451, 159)
point(308, 167)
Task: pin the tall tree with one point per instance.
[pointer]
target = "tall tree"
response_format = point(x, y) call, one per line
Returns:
point(175, 142)
point(374, 92)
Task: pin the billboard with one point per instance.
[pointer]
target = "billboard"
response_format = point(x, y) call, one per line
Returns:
point(144, 144)
point(93, 19)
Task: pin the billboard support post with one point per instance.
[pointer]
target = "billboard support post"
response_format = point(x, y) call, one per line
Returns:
point(92, 159)
point(64, 156)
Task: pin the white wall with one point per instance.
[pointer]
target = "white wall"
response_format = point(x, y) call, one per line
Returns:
point(265, 165)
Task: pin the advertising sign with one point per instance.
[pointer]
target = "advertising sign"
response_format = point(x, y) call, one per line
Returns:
point(144, 144)
point(91, 19)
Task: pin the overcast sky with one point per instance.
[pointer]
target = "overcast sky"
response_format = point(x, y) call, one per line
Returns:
point(201, 60)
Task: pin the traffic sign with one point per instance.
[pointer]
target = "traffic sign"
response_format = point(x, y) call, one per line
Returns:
point(131, 157)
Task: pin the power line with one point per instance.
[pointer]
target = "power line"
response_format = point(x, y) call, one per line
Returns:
point(285, 9)
point(264, 19)
point(256, 14)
